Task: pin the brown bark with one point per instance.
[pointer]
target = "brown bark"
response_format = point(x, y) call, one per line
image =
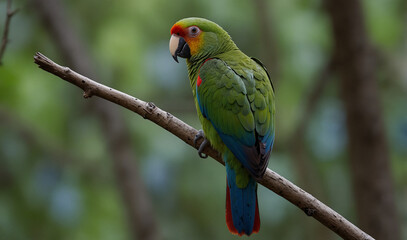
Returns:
point(368, 150)
point(137, 203)
point(278, 184)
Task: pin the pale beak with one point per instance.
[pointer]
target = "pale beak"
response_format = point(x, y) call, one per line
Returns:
point(179, 47)
point(174, 40)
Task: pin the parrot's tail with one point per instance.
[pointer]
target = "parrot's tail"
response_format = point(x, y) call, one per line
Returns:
point(242, 210)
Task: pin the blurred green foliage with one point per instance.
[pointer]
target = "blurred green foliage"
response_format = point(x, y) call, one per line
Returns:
point(56, 177)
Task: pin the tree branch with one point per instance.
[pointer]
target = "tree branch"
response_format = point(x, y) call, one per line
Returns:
point(271, 180)
point(4, 41)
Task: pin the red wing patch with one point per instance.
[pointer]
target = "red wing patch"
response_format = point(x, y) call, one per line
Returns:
point(198, 81)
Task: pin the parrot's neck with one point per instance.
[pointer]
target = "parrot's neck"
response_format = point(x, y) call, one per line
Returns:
point(193, 70)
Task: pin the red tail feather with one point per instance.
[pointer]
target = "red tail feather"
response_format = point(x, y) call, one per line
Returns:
point(229, 220)
point(256, 226)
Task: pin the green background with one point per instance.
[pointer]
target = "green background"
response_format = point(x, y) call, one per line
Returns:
point(56, 174)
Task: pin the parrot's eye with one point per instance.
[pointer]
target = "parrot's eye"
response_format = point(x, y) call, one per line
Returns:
point(194, 31)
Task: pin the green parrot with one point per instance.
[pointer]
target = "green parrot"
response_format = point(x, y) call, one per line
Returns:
point(234, 98)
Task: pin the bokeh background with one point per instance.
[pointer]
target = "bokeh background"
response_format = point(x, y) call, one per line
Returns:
point(78, 169)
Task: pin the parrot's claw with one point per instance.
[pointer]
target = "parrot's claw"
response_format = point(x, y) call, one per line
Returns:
point(201, 148)
point(205, 142)
point(198, 136)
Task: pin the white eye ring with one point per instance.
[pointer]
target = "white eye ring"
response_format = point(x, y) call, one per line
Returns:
point(194, 31)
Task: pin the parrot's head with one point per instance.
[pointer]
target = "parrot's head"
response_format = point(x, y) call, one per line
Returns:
point(198, 38)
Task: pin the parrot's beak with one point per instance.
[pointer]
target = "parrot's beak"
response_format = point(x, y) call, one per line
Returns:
point(179, 48)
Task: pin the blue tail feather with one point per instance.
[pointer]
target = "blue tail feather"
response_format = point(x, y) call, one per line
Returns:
point(243, 202)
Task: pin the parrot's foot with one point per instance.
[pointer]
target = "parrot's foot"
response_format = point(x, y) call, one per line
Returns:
point(205, 142)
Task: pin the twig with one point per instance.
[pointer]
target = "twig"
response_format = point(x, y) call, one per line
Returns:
point(4, 41)
point(273, 181)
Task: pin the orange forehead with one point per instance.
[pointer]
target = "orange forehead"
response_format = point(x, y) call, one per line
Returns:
point(194, 43)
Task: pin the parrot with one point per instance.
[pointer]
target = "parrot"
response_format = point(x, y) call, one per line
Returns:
point(234, 99)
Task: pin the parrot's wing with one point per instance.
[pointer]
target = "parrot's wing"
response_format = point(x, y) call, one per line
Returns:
point(264, 67)
point(238, 103)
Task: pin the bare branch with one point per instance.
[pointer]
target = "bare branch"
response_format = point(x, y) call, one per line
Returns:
point(4, 41)
point(271, 180)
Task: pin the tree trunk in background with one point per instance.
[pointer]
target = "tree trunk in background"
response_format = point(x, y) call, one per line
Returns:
point(136, 200)
point(269, 44)
point(368, 150)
